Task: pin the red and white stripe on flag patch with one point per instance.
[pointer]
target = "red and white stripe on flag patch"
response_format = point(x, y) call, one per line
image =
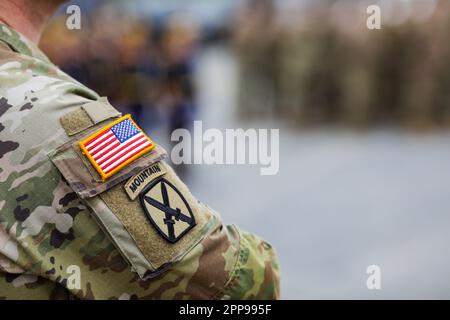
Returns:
point(116, 145)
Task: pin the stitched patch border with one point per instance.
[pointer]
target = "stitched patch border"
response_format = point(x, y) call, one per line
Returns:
point(84, 145)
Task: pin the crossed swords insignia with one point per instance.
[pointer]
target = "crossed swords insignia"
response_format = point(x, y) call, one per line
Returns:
point(171, 215)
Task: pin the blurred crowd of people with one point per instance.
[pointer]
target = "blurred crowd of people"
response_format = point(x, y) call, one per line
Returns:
point(315, 65)
point(137, 63)
point(323, 65)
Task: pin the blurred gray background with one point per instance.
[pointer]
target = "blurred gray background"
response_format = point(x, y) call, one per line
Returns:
point(363, 118)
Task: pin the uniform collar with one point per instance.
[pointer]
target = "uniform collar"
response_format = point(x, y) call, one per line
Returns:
point(21, 44)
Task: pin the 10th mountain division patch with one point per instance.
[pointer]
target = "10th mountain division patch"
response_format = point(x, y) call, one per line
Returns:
point(167, 210)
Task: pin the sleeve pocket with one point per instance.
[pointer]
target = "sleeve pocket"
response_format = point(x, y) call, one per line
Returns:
point(124, 219)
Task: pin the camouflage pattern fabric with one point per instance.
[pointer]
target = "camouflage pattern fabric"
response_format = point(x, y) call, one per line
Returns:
point(46, 227)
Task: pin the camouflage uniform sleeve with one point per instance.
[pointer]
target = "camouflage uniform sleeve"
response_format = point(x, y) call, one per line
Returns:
point(226, 264)
point(55, 242)
point(256, 271)
point(47, 230)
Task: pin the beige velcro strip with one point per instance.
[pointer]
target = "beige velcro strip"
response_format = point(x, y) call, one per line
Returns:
point(76, 121)
point(100, 110)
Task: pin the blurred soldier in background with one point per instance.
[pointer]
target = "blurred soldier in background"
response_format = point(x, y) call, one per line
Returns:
point(320, 81)
point(255, 39)
point(177, 99)
point(133, 57)
point(438, 34)
point(66, 232)
point(321, 64)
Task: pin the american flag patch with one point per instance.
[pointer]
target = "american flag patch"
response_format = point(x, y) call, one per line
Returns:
point(116, 145)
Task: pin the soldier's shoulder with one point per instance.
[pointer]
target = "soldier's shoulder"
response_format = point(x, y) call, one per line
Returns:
point(34, 95)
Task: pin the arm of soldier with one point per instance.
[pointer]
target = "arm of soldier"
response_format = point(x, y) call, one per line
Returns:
point(67, 226)
point(83, 262)
point(134, 256)
point(65, 241)
point(163, 232)
point(226, 264)
point(98, 242)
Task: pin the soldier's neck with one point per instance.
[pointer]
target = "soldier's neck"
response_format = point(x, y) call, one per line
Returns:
point(29, 22)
